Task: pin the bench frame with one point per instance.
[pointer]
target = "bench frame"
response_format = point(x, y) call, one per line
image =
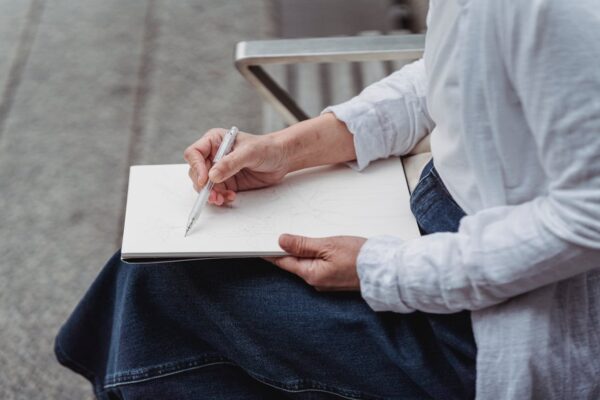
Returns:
point(251, 56)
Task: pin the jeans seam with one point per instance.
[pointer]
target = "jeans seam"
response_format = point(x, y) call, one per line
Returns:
point(151, 377)
point(310, 385)
point(114, 381)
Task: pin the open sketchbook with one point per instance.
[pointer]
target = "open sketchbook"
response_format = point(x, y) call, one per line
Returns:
point(317, 202)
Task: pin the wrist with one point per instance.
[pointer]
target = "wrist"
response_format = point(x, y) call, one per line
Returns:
point(280, 142)
point(317, 141)
point(294, 144)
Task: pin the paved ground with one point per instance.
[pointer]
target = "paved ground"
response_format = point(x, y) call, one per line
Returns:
point(87, 88)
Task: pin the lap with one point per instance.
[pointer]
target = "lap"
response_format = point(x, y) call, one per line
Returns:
point(165, 319)
point(159, 326)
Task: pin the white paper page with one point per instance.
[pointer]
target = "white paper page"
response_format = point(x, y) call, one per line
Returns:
point(317, 202)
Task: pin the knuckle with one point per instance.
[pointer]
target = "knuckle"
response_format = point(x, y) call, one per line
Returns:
point(214, 132)
point(329, 244)
point(328, 247)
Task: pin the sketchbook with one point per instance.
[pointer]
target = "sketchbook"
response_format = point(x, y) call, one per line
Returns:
point(316, 202)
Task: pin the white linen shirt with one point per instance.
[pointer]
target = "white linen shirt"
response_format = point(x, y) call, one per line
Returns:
point(525, 108)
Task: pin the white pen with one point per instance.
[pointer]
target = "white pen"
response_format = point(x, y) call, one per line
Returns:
point(224, 148)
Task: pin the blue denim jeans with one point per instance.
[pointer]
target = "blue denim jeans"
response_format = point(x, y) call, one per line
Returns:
point(244, 329)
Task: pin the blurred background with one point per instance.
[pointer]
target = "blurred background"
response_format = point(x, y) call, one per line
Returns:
point(90, 87)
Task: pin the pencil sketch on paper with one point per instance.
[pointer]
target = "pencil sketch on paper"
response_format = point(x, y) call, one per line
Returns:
point(318, 202)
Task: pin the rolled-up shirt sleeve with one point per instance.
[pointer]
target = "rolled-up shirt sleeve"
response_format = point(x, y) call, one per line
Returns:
point(389, 117)
point(503, 251)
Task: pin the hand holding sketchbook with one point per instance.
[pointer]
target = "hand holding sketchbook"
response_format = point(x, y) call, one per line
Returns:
point(316, 202)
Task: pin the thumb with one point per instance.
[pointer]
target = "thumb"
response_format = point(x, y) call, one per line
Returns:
point(231, 164)
point(301, 246)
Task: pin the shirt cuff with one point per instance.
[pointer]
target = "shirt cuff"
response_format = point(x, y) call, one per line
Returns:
point(378, 274)
point(362, 121)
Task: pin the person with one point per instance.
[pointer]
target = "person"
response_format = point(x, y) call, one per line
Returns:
point(499, 299)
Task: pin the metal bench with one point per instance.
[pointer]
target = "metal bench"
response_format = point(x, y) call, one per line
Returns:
point(299, 77)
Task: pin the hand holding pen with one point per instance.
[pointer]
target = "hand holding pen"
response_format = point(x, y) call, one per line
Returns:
point(224, 148)
point(254, 162)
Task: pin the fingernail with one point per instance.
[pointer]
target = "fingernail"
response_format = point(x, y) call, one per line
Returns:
point(284, 240)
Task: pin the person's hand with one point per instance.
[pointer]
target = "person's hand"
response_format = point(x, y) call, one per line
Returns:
point(254, 162)
point(325, 263)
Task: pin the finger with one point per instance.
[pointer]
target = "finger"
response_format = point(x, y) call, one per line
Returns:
point(232, 163)
point(198, 166)
point(192, 175)
point(228, 195)
point(305, 268)
point(212, 197)
point(301, 246)
point(291, 264)
point(217, 198)
point(206, 146)
point(202, 172)
point(199, 153)
point(222, 188)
